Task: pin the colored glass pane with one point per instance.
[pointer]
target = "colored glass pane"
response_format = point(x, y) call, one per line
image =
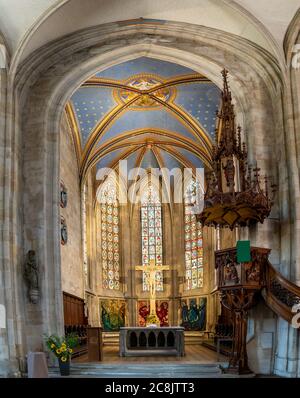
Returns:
point(110, 237)
point(193, 242)
point(151, 227)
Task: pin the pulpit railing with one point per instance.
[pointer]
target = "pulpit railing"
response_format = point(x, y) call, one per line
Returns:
point(281, 295)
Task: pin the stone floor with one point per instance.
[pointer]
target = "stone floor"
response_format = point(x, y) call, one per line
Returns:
point(199, 362)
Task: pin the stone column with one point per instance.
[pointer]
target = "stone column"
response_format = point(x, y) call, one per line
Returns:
point(4, 321)
point(178, 259)
point(136, 258)
point(9, 290)
point(126, 262)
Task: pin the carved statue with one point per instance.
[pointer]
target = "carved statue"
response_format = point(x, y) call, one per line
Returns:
point(212, 184)
point(63, 231)
point(152, 268)
point(63, 195)
point(230, 272)
point(229, 171)
point(31, 275)
point(253, 272)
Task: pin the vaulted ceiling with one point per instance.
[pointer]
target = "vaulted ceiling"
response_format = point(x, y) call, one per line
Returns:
point(150, 112)
point(29, 24)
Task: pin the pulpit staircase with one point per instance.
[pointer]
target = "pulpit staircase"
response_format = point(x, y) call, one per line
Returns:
point(242, 285)
point(281, 295)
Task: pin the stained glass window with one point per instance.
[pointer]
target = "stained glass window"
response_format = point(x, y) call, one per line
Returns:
point(151, 223)
point(110, 252)
point(193, 242)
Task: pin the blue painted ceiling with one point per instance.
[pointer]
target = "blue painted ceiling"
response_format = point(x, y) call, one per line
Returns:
point(186, 109)
point(144, 65)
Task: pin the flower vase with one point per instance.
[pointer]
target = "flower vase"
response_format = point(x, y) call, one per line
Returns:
point(64, 367)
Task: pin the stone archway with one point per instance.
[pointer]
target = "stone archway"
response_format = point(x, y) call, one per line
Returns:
point(45, 82)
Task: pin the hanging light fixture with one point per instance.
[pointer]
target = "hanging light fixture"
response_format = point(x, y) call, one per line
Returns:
point(234, 196)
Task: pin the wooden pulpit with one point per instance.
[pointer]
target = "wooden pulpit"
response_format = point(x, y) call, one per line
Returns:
point(94, 344)
point(240, 284)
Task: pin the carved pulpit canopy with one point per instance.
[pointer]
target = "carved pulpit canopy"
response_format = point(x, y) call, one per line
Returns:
point(234, 196)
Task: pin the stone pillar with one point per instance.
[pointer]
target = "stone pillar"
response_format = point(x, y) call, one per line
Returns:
point(178, 264)
point(136, 258)
point(4, 321)
point(9, 356)
point(126, 259)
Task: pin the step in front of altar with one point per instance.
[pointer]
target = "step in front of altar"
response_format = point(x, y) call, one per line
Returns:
point(110, 339)
point(194, 337)
point(125, 370)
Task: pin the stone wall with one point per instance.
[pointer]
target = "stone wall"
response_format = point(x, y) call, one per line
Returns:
point(261, 339)
point(71, 253)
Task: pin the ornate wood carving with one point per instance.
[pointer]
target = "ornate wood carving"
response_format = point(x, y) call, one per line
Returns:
point(239, 301)
point(240, 285)
point(234, 195)
point(281, 295)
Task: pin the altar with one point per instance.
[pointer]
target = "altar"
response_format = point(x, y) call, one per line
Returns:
point(148, 341)
point(152, 339)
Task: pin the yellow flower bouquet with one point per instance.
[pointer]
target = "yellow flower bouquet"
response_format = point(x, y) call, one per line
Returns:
point(62, 348)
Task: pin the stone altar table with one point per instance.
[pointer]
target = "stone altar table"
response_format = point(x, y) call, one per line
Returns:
point(148, 341)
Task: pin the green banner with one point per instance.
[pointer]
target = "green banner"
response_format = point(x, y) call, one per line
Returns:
point(243, 251)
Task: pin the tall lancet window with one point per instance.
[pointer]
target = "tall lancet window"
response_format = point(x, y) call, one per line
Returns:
point(193, 241)
point(110, 250)
point(151, 223)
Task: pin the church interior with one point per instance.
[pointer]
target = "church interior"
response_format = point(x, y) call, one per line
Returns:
point(148, 135)
point(150, 188)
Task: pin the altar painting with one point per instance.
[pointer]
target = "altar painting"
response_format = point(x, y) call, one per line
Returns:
point(193, 313)
point(162, 311)
point(112, 314)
